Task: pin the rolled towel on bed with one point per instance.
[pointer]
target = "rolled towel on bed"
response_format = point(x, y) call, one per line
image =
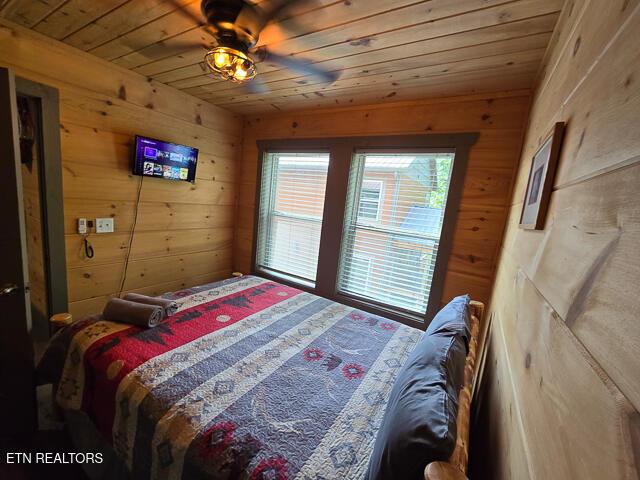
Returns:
point(125, 311)
point(169, 307)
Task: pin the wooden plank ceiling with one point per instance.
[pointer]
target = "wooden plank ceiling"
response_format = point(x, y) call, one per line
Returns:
point(384, 50)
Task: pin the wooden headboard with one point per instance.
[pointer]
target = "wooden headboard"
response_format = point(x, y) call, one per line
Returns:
point(456, 467)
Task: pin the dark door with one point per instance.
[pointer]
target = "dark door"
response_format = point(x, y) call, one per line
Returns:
point(17, 396)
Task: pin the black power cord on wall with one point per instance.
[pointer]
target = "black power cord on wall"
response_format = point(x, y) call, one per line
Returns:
point(133, 231)
point(88, 249)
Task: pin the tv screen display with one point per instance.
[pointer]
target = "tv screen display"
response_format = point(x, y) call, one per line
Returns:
point(155, 158)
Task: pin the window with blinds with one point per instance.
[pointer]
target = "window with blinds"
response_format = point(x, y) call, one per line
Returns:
point(290, 214)
point(393, 219)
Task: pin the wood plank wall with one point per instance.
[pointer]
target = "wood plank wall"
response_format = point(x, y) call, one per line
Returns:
point(563, 390)
point(499, 119)
point(33, 229)
point(184, 232)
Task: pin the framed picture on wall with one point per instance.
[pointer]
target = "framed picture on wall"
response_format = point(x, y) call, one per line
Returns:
point(541, 175)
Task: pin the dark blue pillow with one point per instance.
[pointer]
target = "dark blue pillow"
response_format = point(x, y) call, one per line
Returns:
point(453, 319)
point(419, 424)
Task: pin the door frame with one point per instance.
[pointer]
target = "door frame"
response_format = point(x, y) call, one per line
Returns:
point(51, 195)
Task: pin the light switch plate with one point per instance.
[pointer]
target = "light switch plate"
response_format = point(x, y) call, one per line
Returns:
point(82, 226)
point(104, 225)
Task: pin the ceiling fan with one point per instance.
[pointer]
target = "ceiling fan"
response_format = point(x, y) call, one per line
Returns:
point(235, 26)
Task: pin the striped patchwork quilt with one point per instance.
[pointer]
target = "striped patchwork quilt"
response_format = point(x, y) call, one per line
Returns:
point(250, 379)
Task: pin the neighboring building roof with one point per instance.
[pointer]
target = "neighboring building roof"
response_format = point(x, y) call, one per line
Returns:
point(422, 219)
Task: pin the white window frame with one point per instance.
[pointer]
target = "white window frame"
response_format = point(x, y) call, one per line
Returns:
point(379, 202)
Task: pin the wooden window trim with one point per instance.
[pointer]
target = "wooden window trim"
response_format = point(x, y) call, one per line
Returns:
point(341, 150)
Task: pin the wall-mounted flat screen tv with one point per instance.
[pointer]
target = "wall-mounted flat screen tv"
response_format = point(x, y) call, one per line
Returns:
point(155, 158)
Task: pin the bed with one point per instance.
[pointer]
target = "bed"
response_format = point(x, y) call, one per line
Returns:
point(249, 379)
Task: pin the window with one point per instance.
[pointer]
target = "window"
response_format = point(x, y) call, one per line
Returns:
point(403, 246)
point(366, 221)
point(370, 198)
point(290, 215)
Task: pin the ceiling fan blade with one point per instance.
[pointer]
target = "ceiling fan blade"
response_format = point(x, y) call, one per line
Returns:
point(186, 45)
point(256, 86)
point(298, 66)
point(195, 18)
point(279, 8)
point(179, 48)
point(254, 18)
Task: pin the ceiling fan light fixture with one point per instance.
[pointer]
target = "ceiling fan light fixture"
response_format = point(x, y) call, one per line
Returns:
point(230, 64)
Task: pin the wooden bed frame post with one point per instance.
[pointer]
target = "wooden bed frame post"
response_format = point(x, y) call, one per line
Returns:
point(456, 467)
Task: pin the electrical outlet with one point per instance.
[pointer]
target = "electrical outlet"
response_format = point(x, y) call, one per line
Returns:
point(82, 226)
point(104, 225)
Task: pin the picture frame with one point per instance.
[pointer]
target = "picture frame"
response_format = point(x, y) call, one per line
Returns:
point(540, 182)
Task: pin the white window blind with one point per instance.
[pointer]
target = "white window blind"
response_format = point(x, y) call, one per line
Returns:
point(290, 214)
point(398, 232)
